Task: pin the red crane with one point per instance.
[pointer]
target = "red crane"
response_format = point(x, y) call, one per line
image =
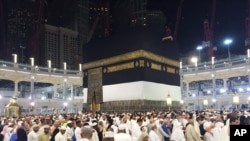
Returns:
point(168, 33)
point(178, 18)
point(208, 31)
point(247, 41)
point(35, 43)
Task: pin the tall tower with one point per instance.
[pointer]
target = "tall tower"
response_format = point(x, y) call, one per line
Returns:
point(139, 12)
point(20, 17)
point(99, 18)
point(2, 31)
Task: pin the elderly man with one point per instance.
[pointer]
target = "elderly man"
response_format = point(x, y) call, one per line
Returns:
point(61, 135)
point(153, 136)
point(86, 134)
point(45, 136)
point(122, 135)
point(33, 135)
point(69, 130)
point(191, 134)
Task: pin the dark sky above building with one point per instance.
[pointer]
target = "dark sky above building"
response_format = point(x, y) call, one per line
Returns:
point(230, 18)
point(229, 22)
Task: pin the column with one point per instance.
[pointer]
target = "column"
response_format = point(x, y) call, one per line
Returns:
point(225, 85)
point(187, 88)
point(249, 78)
point(65, 67)
point(32, 87)
point(15, 89)
point(214, 85)
point(49, 66)
point(64, 88)
point(55, 91)
point(72, 91)
point(15, 60)
point(181, 85)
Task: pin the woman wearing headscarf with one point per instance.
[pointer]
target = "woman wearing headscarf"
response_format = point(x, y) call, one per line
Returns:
point(21, 135)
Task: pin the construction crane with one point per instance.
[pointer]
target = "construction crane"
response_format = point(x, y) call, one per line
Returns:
point(92, 29)
point(168, 33)
point(247, 41)
point(34, 48)
point(208, 32)
point(178, 18)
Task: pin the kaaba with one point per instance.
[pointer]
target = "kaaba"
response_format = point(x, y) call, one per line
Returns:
point(131, 71)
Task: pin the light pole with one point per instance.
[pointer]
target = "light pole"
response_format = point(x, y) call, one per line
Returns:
point(236, 100)
point(214, 103)
point(182, 103)
point(169, 101)
point(195, 61)
point(65, 104)
point(205, 102)
point(199, 48)
point(32, 104)
point(228, 42)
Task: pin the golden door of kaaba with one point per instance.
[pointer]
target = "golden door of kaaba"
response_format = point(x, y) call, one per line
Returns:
point(95, 95)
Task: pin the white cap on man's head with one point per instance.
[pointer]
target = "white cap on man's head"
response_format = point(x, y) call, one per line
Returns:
point(63, 128)
point(46, 126)
point(35, 125)
point(109, 134)
point(68, 122)
point(121, 127)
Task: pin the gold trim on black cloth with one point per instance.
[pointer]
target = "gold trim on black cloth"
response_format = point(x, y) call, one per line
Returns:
point(131, 56)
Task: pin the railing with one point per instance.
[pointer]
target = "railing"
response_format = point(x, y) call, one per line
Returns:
point(219, 64)
point(28, 68)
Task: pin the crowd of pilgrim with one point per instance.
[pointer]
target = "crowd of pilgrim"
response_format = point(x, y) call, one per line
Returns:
point(134, 126)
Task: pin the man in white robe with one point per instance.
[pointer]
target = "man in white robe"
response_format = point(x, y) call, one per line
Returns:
point(122, 135)
point(136, 130)
point(33, 135)
point(61, 135)
point(153, 136)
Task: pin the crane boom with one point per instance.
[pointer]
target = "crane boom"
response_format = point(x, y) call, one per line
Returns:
point(178, 18)
point(34, 48)
point(208, 32)
point(247, 41)
point(92, 30)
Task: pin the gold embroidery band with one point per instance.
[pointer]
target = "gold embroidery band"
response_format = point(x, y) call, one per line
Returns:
point(131, 56)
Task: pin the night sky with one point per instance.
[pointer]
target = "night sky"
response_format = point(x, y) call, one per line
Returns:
point(230, 18)
point(229, 22)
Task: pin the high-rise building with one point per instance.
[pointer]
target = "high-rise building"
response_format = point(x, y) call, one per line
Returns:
point(90, 19)
point(19, 20)
point(140, 12)
point(99, 19)
point(133, 13)
point(60, 45)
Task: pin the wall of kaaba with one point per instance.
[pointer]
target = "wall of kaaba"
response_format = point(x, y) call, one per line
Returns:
point(138, 65)
point(135, 56)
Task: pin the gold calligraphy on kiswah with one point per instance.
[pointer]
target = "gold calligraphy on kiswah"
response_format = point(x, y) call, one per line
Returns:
point(120, 67)
point(131, 56)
